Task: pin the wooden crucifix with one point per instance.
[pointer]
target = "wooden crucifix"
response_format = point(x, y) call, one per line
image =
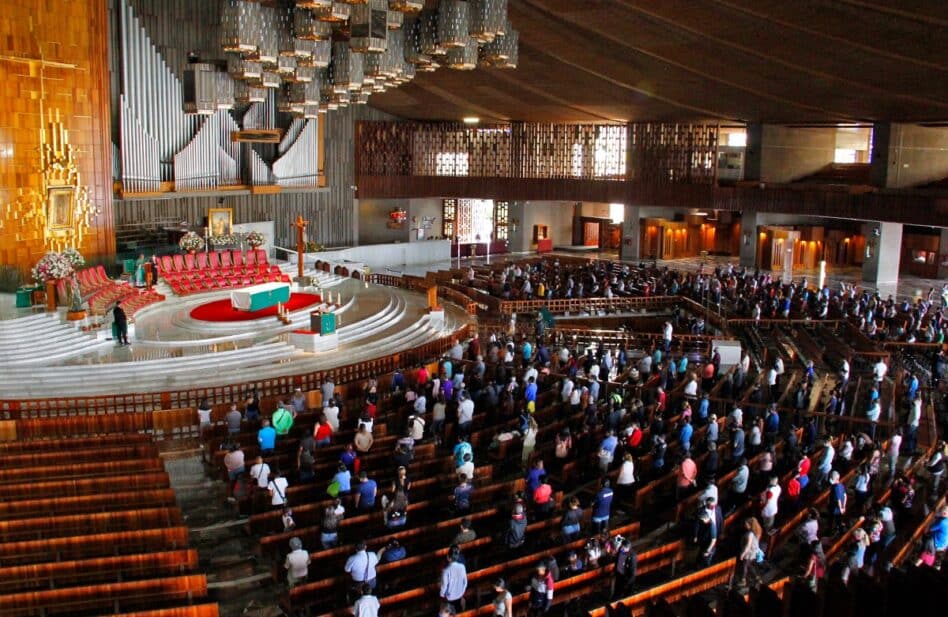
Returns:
point(300, 225)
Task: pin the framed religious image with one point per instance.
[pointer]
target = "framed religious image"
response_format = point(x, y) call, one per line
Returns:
point(220, 221)
point(60, 207)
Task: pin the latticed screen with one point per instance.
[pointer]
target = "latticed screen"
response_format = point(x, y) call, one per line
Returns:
point(449, 209)
point(501, 217)
point(474, 220)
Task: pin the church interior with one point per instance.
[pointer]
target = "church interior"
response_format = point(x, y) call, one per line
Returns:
point(473, 307)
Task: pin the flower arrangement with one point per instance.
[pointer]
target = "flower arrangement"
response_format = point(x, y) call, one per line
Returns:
point(254, 239)
point(75, 258)
point(191, 242)
point(51, 267)
point(398, 216)
point(223, 240)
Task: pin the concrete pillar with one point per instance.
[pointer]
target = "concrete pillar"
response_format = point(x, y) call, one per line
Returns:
point(883, 252)
point(749, 238)
point(630, 248)
point(753, 151)
point(518, 239)
point(907, 155)
point(943, 255)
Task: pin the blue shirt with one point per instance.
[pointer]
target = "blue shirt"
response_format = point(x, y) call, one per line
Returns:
point(602, 506)
point(703, 409)
point(460, 450)
point(939, 531)
point(527, 351)
point(266, 437)
point(448, 368)
point(533, 479)
point(367, 493)
point(684, 434)
point(530, 394)
point(344, 478)
point(609, 444)
point(462, 496)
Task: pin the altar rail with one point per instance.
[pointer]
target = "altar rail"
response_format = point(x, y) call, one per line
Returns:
point(189, 398)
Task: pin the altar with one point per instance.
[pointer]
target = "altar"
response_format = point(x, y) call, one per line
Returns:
point(259, 297)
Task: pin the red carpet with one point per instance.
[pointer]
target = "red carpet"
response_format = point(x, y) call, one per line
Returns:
point(221, 310)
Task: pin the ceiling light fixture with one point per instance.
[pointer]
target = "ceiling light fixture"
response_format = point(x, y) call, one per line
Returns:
point(471, 120)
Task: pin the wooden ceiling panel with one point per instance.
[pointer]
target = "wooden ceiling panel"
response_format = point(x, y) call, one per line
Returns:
point(741, 60)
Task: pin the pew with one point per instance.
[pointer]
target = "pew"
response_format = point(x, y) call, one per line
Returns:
point(103, 502)
point(81, 470)
point(94, 545)
point(81, 486)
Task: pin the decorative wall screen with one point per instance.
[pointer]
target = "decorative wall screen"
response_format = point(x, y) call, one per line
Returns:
point(650, 152)
point(475, 220)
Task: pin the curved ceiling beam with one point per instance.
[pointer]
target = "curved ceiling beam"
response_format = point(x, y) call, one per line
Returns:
point(869, 49)
point(459, 102)
point(592, 35)
point(520, 83)
point(894, 12)
point(634, 7)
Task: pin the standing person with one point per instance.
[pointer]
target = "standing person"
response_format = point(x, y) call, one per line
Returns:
point(260, 472)
point(516, 533)
point(892, 451)
point(838, 499)
point(361, 567)
point(329, 529)
point(529, 441)
point(366, 493)
point(282, 420)
point(571, 525)
point(706, 537)
point(602, 507)
point(297, 563)
point(503, 601)
point(121, 324)
point(749, 548)
point(266, 437)
point(454, 581)
point(627, 564)
point(367, 605)
point(277, 489)
point(233, 420)
point(541, 591)
point(769, 500)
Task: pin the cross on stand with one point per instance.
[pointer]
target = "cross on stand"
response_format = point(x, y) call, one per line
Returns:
point(300, 225)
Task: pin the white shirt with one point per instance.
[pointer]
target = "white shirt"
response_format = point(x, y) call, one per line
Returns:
point(297, 563)
point(420, 404)
point(567, 390)
point(366, 606)
point(895, 442)
point(332, 416)
point(844, 369)
point(467, 469)
point(691, 388)
point(745, 363)
point(417, 426)
point(772, 377)
point(778, 365)
point(261, 472)
point(465, 411)
point(879, 370)
point(437, 412)
point(626, 474)
point(915, 413)
point(874, 411)
point(770, 506)
point(531, 372)
point(667, 332)
point(204, 416)
point(278, 486)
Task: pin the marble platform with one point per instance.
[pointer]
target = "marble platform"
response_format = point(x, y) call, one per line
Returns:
point(172, 351)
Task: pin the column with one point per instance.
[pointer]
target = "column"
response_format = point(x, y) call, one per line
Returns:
point(749, 239)
point(883, 253)
point(518, 239)
point(752, 152)
point(943, 255)
point(630, 248)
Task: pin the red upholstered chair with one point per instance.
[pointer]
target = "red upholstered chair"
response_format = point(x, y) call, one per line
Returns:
point(237, 257)
point(213, 260)
point(101, 275)
point(251, 258)
point(261, 256)
point(189, 262)
point(259, 279)
point(167, 265)
point(225, 260)
point(202, 261)
point(179, 263)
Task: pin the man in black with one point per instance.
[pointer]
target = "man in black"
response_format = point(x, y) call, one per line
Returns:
point(121, 325)
point(626, 568)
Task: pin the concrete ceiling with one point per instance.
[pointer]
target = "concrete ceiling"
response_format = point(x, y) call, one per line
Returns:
point(808, 61)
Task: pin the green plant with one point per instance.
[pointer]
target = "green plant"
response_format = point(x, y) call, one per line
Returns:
point(313, 247)
point(10, 278)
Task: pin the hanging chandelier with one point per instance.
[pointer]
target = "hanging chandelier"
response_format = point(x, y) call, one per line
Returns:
point(319, 55)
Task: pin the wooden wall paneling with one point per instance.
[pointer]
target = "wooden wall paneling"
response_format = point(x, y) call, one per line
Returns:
point(64, 67)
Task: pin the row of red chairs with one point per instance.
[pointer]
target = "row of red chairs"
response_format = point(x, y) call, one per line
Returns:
point(93, 279)
point(195, 273)
point(136, 301)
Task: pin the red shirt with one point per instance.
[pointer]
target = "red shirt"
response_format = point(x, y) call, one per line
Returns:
point(421, 377)
point(708, 372)
point(542, 494)
point(635, 438)
point(323, 431)
point(804, 466)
